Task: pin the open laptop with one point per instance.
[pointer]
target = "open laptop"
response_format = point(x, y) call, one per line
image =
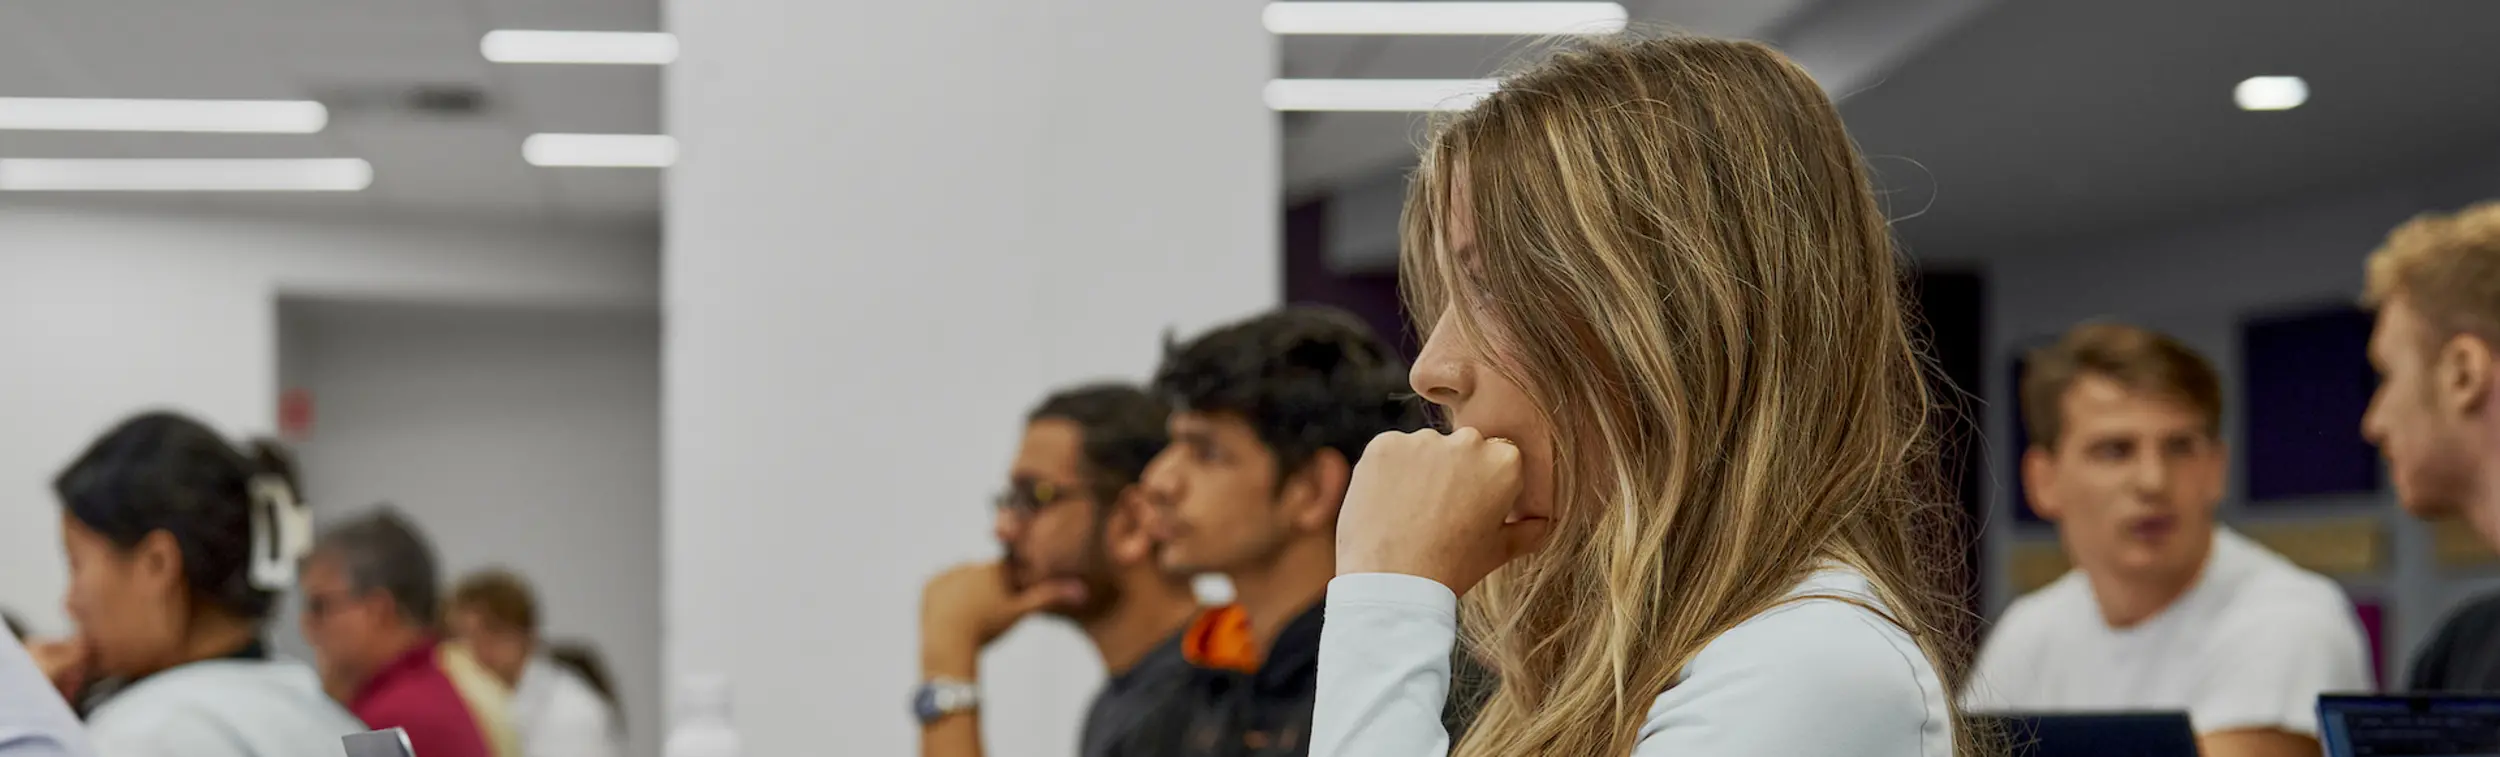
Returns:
point(2115, 734)
point(2410, 725)
point(389, 742)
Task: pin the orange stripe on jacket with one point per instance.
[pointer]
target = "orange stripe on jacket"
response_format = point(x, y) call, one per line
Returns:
point(1220, 639)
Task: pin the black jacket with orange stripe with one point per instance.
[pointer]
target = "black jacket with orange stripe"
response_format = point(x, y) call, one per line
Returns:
point(1266, 712)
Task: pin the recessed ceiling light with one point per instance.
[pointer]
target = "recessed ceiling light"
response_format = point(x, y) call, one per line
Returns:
point(1477, 18)
point(101, 114)
point(618, 48)
point(2271, 93)
point(123, 175)
point(600, 150)
point(1402, 95)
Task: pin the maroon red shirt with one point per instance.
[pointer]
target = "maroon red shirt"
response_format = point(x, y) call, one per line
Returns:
point(414, 695)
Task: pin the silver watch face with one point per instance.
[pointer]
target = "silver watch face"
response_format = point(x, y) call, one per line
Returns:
point(937, 699)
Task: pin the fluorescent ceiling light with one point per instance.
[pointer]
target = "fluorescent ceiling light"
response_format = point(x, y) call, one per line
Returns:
point(1480, 18)
point(96, 114)
point(118, 175)
point(1377, 94)
point(625, 48)
point(595, 150)
point(2271, 93)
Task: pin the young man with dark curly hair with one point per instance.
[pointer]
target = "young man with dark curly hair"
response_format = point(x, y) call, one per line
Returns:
point(1268, 418)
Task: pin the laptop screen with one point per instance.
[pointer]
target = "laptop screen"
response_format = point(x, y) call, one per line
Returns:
point(2106, 734)
point(391, 742)
point(2410, 726)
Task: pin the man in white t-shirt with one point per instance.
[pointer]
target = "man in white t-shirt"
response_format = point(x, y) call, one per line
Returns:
point(2164, 610)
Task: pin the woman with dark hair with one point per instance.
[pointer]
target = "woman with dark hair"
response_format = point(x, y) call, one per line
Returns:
point(562, 701)
point(179, 546)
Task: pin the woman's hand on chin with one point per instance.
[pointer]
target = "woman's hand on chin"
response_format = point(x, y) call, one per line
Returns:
point(1435, 505)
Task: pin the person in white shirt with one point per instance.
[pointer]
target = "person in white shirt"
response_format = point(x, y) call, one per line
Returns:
point(2164, 610)
point(179, 546)
point(1685, 479)
point(561, 703)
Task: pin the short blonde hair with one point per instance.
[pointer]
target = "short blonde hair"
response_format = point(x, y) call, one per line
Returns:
point(2446, 266)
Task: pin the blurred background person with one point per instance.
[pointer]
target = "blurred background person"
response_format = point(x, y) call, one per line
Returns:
point(1269, 416)
point(1072, 525)
point(2435, 283)
point(371, 599)
point(2164, 610)
point(561, 704)
point(178, 547)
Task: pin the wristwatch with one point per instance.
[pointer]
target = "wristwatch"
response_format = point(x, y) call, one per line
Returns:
point(939, 697)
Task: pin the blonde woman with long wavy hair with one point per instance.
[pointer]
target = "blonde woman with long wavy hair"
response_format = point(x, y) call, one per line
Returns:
point(1686, 486)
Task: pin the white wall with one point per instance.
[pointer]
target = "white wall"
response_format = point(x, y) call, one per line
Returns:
point(893, 227)
point(522, 437)
point(2196, 281)
point(103, 314)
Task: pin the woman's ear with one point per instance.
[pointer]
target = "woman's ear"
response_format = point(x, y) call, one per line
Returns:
point(156, 562)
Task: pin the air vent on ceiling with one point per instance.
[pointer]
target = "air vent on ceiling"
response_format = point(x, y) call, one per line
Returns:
point(428, 101)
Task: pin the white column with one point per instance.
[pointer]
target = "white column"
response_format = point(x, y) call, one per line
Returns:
point(893, 226)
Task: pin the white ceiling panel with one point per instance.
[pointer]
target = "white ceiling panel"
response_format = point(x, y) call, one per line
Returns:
point(366, 58)
point(586, 99)
point(604, 193)
point(584, 15)
point(442, 165)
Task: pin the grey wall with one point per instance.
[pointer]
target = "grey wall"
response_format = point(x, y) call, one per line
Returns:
point(521, 437)
point(125, 311)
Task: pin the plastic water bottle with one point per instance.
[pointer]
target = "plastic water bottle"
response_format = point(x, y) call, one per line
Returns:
point(704, 727)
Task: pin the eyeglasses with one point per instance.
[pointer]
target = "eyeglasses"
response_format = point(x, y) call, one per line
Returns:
point(319, 605)
point(1026, 498)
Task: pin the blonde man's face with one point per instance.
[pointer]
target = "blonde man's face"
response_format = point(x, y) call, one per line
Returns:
point(2423, 417)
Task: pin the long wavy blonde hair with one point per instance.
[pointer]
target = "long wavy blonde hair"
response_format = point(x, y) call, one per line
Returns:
point(1679, 255)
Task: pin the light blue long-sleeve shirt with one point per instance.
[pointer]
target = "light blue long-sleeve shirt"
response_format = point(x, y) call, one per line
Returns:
point(1815, 676)
point(34, 721)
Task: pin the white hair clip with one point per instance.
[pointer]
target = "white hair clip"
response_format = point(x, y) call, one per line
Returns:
point(281, 532)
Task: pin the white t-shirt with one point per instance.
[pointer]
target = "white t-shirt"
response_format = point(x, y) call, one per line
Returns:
point(223, 708)
point(1815, 676)
point(560, 715)
point(2250, 646)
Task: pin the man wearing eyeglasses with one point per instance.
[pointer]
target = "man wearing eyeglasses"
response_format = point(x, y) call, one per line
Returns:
point(1070, 524)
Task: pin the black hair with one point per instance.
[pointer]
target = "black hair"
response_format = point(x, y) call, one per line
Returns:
point(584, 660)
point(161, 471)
point(1306, 378)
point(1123, 427)
point(17, 627)
point(384, 552)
